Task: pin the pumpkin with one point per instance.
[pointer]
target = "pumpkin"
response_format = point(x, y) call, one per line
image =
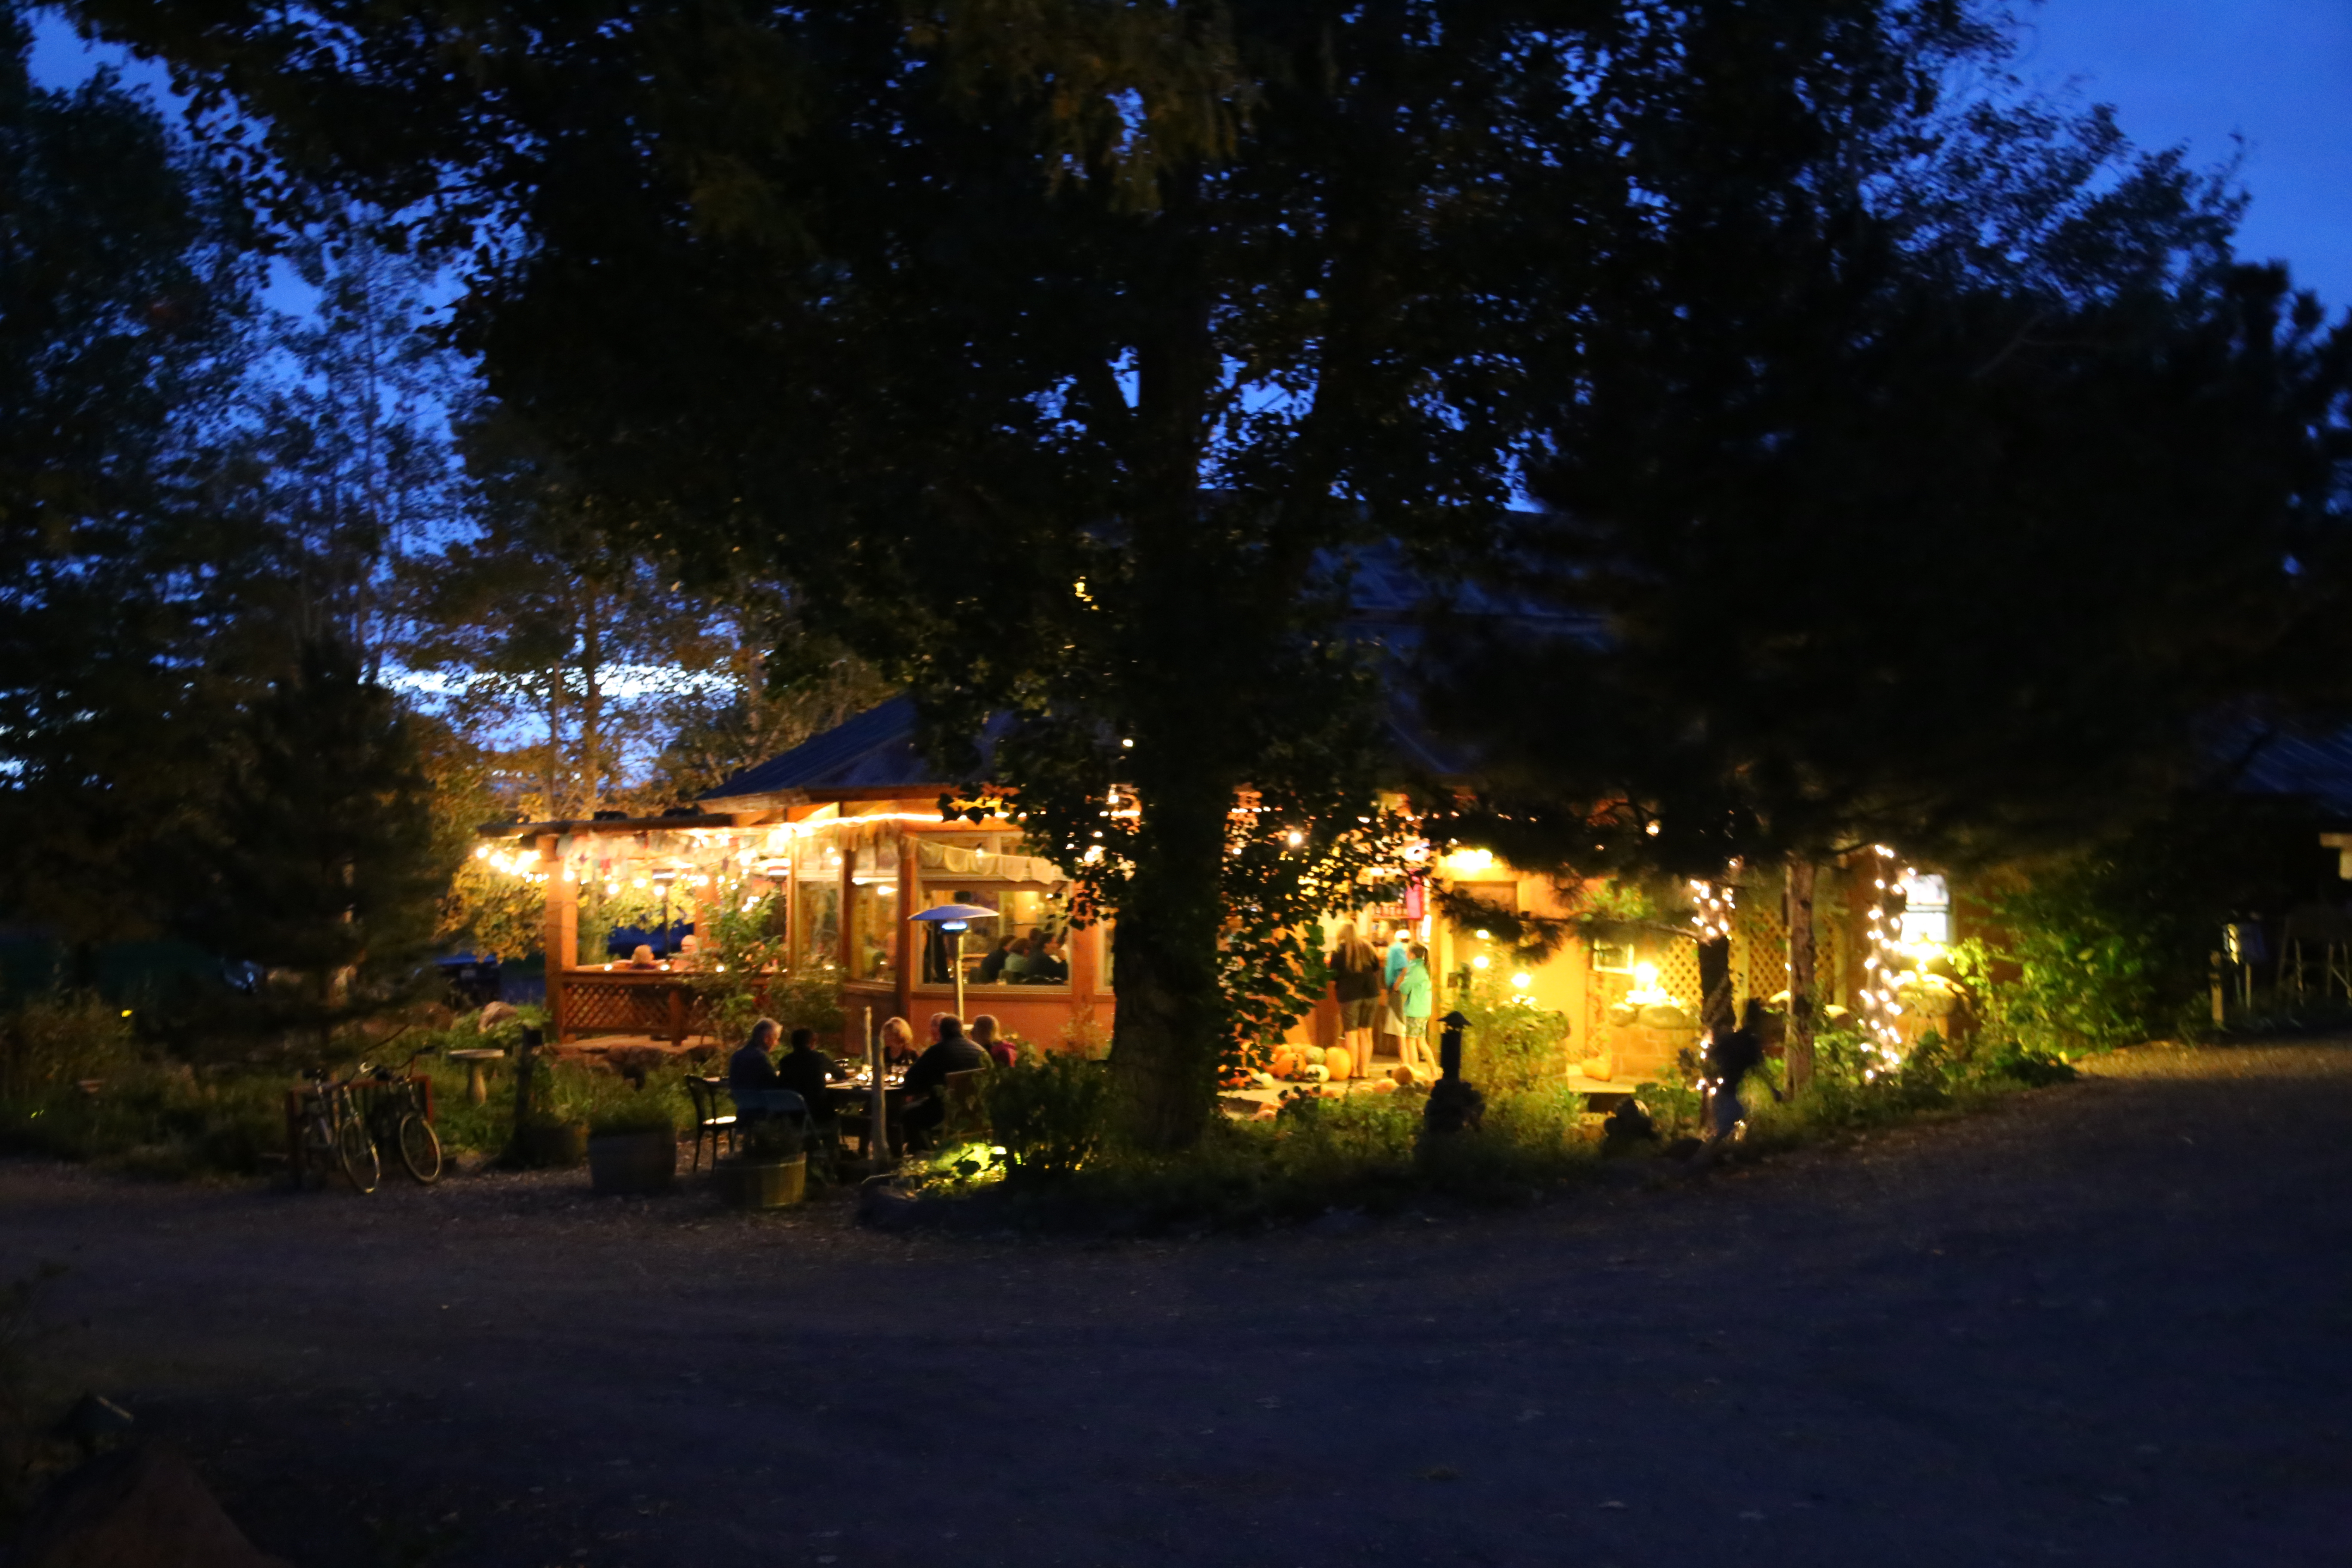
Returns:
point(1315, 1056)
point(1341, 1063)
point(1286, 1063)
point(1384, 1085)
point(1401, 1076)
point(1316, 1072)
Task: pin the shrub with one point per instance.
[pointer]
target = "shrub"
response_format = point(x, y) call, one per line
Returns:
point(1049, 1116)
point(1510, 1045)
point(641, 1112)
point(51, 1042)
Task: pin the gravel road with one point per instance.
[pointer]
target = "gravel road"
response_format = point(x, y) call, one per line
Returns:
point(2105, 1323)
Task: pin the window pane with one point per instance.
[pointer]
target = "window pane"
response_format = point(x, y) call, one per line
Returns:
point(874, 914)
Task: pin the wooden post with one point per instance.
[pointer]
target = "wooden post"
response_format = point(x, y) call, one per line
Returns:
point(562, 933)
point(525, 1054)
point(910, 953)
point(878, 1136)
point(677, 1014)
point(2221, 1003)
point(1799, 1036)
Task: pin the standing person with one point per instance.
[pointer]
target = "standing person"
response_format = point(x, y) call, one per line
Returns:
point(984, 1035)
point(1355, 983)
point(1412, 996)
point(1387, 1020)
point(1730, 1058)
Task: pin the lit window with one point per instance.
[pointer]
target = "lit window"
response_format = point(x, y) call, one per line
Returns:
point(1926, 912)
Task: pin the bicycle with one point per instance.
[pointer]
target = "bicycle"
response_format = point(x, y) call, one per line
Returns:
point(397, 1118)
point(334, 1136)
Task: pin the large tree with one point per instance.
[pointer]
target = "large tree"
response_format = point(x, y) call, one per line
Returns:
point(1938, 478)
point(123, 305)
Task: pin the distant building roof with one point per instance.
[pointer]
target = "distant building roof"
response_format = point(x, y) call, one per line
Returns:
point(2315, 767)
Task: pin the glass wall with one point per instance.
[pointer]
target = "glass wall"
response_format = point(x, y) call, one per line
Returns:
point(1027, 943)
point(816, 906)
point(874, 914)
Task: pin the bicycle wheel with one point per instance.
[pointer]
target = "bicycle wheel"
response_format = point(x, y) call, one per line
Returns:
point(420, 1148)
point(356, 1152)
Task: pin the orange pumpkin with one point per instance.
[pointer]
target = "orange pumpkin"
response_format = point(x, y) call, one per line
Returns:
point(1286, 1063)
point(1341, 1063)
point(1384, 1085)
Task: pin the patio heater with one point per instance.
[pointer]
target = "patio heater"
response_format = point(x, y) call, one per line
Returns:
point(955, 920)
point(665, 877)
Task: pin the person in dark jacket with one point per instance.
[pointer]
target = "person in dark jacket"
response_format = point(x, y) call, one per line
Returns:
point(805, 1070)
point(1730, 1058)
point(927, 1107)
point(752, 1067)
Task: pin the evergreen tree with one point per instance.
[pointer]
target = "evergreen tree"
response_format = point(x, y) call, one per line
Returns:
point(320, 863)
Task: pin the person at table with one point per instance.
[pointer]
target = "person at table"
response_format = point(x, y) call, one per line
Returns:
point(984, 1035)
point(644, 957)
point(898, 1045)
point(753, 1068)
point(1048, 966)
point(805, 1070)
point(1016, 961)
point(927, 1105)
point(991, 967)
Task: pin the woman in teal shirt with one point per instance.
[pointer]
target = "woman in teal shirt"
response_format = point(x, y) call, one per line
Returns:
point(1411, 996)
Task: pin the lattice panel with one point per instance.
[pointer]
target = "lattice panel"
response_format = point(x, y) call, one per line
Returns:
point(1677, 965)
point(617, 1007)
point(1759, 948)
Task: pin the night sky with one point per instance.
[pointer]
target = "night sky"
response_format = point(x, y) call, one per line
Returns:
point(2277, 72)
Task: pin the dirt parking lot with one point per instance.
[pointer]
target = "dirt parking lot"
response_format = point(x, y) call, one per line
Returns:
point(2106, 1323)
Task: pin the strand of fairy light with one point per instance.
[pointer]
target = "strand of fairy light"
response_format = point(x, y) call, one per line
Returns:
point(1880, 1006)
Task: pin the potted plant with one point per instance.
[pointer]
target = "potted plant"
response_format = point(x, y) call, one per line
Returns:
point(632, 1147)
point(772, 1171)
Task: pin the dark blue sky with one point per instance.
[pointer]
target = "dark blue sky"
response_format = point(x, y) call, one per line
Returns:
point(2278, 72)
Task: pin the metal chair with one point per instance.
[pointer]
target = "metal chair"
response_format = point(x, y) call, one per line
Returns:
point(710, 1122)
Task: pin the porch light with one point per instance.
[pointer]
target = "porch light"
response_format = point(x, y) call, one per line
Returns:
point(1480, 961)
point(1522, 980)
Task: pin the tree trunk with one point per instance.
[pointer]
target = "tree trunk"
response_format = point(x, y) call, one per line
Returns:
point(1166, 1039)
point(1800, 1037)
point(1715, 1005)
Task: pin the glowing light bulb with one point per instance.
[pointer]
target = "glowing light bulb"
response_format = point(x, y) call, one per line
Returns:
point(1523, 979)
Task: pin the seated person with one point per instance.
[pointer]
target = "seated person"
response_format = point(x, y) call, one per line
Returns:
point(984, 1035)
point(1048, 964)
point(644, 957)
point(992, 968)
point(927, 1107)
point(751, 1068)
point(1016, 961)
point(753, 1081)
point(805, 1070)
point(898, 1045)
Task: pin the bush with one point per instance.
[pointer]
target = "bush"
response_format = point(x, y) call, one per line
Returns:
point(1510, 1045)
point(52, 1043)
point(1050, 1117)
point(641, 1112)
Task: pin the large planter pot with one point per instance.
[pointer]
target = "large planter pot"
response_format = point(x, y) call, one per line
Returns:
point(553, 1146)
point(624, 1163)
point(763, 1183)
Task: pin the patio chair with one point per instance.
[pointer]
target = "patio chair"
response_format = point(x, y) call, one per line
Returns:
point(710, 1122)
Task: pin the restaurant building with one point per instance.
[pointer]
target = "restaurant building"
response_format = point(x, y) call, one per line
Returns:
point(840, 842)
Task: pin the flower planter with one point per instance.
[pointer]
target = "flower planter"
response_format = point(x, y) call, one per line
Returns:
point(552, 1145)
point(762, 1185)
point(625, 1163)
